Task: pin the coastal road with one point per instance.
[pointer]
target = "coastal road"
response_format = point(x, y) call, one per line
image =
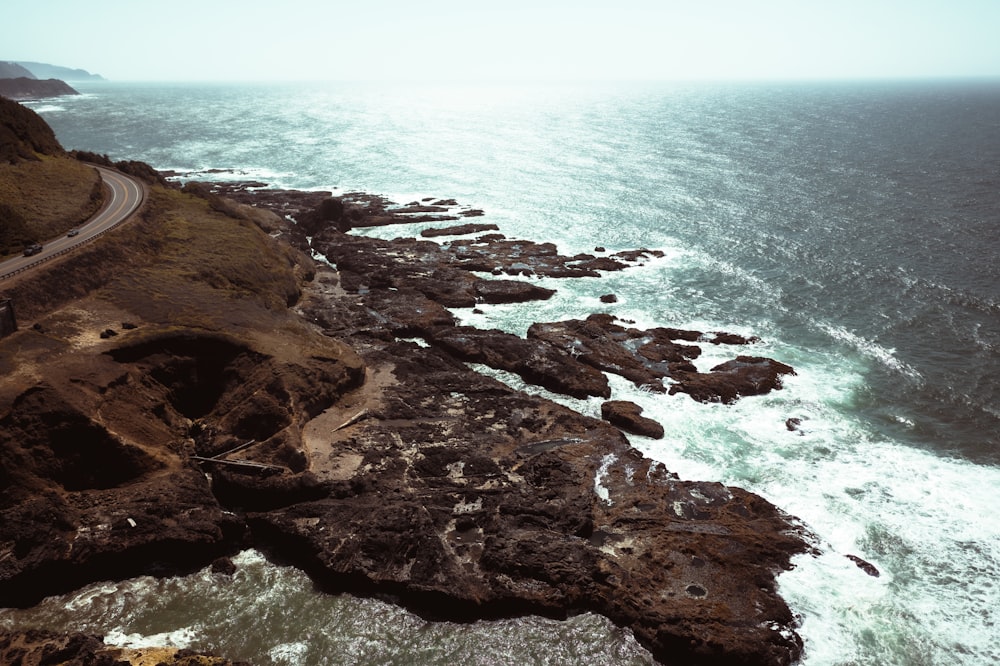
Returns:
point(127, 195)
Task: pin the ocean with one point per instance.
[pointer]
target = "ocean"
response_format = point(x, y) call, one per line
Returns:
point(853, 226)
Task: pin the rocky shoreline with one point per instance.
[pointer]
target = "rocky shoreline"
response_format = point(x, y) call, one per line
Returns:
point(493, 492)
point(385, 466)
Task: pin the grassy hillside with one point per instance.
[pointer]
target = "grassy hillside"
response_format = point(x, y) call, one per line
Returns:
point(43, 199)
point(23, 134)
point(182, 263)
point(207, 268)
point(189, 260)
point(43, 192)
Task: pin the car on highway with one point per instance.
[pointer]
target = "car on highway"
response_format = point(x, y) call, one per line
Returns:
point(73, 232)
point(32, 249)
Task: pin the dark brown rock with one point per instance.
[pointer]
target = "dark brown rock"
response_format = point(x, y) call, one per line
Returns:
point(43, 647)
point(407, 312)
point(417, 207)
point(635, 256)
point(442, 275)
point(628, 416)
point(681, 334)
point(329, 212)
point(643, 357)
point(510, 291)
point(600, 264)
point(536, 362)
point(86, 497)
point(609, 298)
point(224, 565)
point(721, 338)
point(727, 382)
point(865, 566)
point(461, 498)
point(459, 230)
point(517, 257)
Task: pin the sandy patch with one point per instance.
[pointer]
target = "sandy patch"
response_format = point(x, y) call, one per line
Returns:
point(325, 438)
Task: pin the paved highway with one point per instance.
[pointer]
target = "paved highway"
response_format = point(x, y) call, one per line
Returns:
point(126, 196)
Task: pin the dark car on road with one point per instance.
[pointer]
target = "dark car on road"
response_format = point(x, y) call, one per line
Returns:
point(73, 232)
point(32, 249)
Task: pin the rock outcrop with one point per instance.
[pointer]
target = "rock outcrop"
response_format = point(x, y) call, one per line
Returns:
point(536, 362)
point(458, 230)
point(463, 498)
point(628, 416)
point(97, 470)
point(727, 382)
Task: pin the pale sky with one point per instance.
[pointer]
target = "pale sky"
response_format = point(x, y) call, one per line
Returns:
point(243, 40)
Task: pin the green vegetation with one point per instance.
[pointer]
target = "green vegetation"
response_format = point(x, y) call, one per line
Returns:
point(44, 198)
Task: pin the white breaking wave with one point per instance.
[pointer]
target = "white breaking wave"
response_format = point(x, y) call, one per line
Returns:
point(178, 638)
point(884, 355)
point(48, 108)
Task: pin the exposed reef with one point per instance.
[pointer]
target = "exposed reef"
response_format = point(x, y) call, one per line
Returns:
point(382, 464)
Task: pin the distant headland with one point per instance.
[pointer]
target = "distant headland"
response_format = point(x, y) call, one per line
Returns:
point(34, 80)
point(41, 70)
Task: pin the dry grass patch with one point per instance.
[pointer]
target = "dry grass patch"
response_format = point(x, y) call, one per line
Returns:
point(51, 195)
point(180, 263)
point(210, 270)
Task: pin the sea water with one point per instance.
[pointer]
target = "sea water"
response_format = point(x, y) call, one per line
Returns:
point(853, 227)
